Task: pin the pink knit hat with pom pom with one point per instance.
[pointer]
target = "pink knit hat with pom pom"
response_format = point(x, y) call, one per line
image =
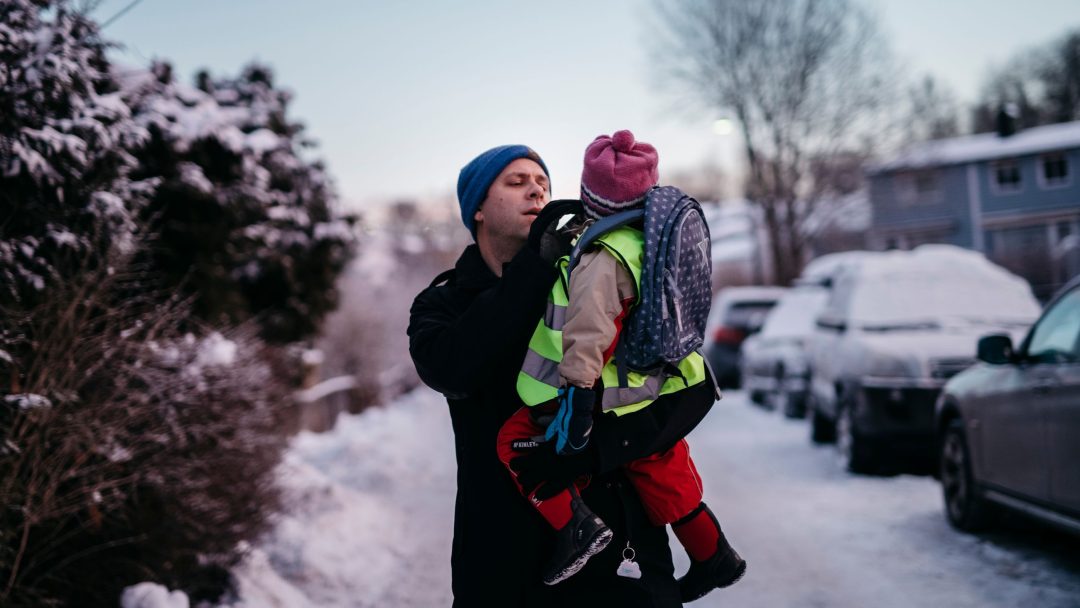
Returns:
point(618, 173)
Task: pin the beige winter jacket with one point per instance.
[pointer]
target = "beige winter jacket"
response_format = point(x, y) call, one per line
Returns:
point(600, 290)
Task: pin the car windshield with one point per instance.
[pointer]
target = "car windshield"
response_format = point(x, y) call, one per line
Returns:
point(742, 313)
point(896, 303)
point(795, 314)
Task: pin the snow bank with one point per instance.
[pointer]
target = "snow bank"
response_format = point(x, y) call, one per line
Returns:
point(152, 595)
point(369, 501)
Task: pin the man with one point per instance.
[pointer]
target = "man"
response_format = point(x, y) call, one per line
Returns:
point(467, 338)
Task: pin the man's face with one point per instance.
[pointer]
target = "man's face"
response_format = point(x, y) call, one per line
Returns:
point(513, 201)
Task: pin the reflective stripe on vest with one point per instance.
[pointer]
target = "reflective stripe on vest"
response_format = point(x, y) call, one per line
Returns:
point(538, 380)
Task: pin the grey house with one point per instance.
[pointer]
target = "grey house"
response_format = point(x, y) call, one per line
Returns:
point(1015, 197)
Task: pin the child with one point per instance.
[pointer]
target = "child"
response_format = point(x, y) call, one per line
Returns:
point(571, 351)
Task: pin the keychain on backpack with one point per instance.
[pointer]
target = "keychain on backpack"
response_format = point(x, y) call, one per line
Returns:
point(629, 568)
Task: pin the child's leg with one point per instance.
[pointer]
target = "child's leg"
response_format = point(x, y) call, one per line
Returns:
point(520, 427)
point(670, 489)
point(668, 484)
point(579, 534)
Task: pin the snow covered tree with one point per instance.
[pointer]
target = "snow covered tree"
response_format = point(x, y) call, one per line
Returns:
point(65, 150)
point(243, 222)
point(1041, 85)
point(141, 222)
point(931, 112)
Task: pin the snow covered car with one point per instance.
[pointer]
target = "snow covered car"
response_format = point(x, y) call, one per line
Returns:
point(775, 367)
point(736, 313)
point(897, 325)
point(1009, 426)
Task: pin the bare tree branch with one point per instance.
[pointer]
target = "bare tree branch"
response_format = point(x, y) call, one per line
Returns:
point(807, 80)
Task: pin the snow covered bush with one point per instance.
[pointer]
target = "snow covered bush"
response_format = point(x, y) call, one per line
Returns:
point(131, 449)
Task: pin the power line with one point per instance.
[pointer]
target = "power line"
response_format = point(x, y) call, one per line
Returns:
point(122, 12)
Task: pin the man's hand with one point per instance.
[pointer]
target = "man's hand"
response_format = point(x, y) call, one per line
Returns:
point(545, 237)
point(547, 473)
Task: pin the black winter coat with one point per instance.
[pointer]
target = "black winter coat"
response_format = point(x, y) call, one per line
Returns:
point(467, 339)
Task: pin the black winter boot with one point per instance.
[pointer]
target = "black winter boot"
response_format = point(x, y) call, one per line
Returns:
point(723, 569)
point(583, 537)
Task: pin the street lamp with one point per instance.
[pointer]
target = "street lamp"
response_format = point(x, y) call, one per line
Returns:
point(723, 126)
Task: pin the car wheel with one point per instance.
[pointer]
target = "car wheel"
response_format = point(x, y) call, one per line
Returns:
point(857, 453)
point(793, 406)
point(964, 507)
point(822, 428)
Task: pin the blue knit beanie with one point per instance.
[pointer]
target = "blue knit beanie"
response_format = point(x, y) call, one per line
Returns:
point(477, 176)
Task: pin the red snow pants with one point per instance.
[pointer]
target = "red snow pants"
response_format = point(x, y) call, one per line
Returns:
point(667, 483)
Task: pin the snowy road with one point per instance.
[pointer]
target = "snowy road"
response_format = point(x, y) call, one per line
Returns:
point(814, 536)
point(372, 525)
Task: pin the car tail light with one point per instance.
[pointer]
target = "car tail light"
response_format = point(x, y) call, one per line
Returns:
point(728, 335)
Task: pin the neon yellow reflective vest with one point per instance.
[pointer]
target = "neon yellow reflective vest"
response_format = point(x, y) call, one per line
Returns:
point(538, 380)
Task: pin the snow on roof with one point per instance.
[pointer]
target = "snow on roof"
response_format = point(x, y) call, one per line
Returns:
point(732, 249)
point(984, 146)
point(731, 218)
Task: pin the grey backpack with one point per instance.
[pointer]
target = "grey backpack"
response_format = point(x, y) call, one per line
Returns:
point(667, 322)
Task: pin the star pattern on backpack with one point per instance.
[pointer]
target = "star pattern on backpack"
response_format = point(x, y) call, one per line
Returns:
point(668, 322)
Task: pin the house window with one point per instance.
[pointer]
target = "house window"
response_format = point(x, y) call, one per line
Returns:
point(1055, 169)
point(1007, 176)
point(926, 185)
point(918, 187)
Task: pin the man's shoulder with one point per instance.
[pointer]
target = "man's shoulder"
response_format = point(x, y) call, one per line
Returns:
point(441, 290)
point(444, 283)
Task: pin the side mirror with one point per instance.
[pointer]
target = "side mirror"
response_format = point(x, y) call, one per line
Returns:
point(996, 349)
point(832, 323)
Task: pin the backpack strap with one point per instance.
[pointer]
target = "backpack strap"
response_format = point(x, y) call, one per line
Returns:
point(711, 374)
point(594, 231)
point(599, 228)
point(620, 363)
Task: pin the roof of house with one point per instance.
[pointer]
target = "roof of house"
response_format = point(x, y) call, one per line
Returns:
point(984, 146)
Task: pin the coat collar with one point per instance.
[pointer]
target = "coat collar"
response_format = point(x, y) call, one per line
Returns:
point(471, 272)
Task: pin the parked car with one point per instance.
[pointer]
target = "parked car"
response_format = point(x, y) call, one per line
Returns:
point(775, 365)
point(736, 313)
point(1009, 426)
point(897, 325)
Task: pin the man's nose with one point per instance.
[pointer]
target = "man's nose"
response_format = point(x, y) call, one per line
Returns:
point(537, 190)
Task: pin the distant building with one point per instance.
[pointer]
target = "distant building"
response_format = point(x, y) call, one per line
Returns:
point(1014, 197)
point(739, 244)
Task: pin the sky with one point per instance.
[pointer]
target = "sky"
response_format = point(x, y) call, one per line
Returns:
point(400, 95)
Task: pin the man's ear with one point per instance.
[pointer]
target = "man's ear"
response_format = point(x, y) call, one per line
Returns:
point(478, 216)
